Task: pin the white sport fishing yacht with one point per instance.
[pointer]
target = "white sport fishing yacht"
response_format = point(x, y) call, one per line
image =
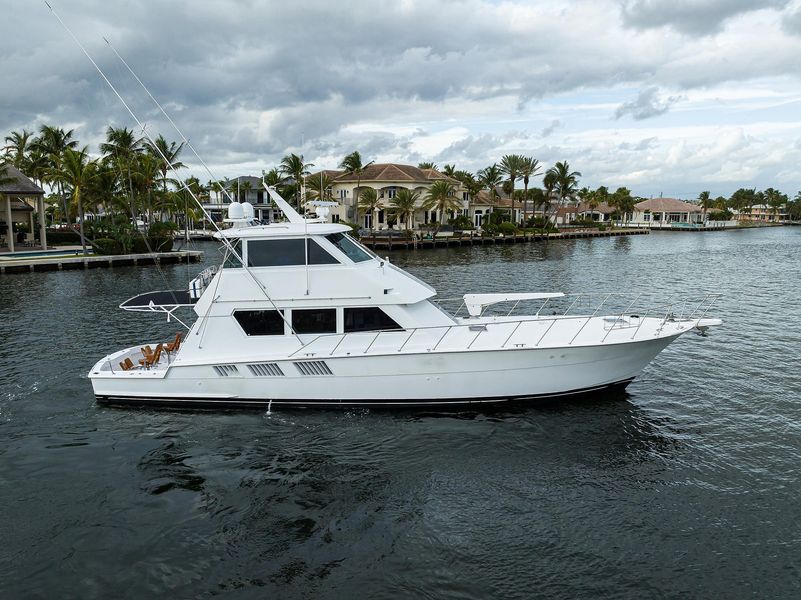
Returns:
point(300, 313)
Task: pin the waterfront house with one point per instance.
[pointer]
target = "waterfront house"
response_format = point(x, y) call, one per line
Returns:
point(18, 197)
point(387, 179)
point(666, 213)
point(601, 212)
point(764, 213)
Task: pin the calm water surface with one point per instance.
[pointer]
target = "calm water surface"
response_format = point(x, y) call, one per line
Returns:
point(686, 486)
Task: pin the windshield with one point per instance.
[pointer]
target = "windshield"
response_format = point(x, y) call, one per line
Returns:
point(351, 249)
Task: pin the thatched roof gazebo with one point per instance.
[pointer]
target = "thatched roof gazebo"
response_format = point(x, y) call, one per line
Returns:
point(15, 192)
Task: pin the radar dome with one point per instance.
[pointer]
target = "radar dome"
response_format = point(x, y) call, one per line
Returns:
point(235, 211)
point(247, 209)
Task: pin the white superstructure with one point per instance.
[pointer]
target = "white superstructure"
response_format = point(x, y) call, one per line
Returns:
point(300, 313)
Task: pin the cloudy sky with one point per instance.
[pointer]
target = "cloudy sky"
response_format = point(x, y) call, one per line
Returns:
point(669, 97)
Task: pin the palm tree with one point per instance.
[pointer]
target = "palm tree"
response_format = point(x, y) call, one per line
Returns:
point(529, 167)
point(511, 165)
point(244, 188)
point(491, 178)
point(162, 150)
point(370, 203)
point(566, 181)
point(404, 205)
point(18, 146)
point(121, 149)
point(473, 186)
point(292, 165)
point(51, 144)
point(321, 187)
point(624, 202)
point(353, 165)
point(75, 173)
point(449, 170)
point(441, 198)
point(774, 198)
point(705, 202)
point(426, 165)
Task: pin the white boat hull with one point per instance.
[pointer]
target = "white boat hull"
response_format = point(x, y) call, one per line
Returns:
point(412, 379)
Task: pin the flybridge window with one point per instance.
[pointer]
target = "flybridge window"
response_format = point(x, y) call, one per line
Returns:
point(283, 253)
point(370, 318)
point(314, 320)
point(260, 322)
point(351, 249)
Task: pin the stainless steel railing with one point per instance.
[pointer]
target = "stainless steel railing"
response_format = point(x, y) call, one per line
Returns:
point(631, 316)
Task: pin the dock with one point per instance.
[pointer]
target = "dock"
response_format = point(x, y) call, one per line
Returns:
point(46, 261)
point(398, 243)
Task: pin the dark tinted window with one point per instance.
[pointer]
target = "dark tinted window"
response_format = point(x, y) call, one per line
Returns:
point(314, 320)
point(260, 322)
point(351, 249)
point(368, 319)
point(282, 253)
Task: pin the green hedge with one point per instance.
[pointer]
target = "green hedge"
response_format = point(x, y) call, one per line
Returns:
point(62, 236)
point(108, 246)
point(160, 243)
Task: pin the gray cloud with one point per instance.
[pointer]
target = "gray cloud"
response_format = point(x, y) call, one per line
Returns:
point(695, 17)
point(647, 105)
point(791, 22)
point(247, 84)
point(550, 128)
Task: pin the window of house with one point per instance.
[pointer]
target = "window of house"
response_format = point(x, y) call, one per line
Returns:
point(282, 253)
point(351, 249)
point(314, 320)
point(369, 318)
point(260, 322)
point(392, 192)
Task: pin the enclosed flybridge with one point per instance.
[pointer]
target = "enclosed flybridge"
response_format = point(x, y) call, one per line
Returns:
point(299, 313)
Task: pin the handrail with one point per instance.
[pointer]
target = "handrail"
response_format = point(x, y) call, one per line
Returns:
point(506, 321)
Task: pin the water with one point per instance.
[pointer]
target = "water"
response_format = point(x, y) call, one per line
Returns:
point(687, 486)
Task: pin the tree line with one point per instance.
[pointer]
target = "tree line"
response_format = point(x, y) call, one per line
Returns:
point(130, 179)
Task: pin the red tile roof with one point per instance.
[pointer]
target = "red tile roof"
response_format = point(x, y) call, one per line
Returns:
point(667, 205)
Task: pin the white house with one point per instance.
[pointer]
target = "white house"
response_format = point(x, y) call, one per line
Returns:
point(666, 212)
point(387, 179)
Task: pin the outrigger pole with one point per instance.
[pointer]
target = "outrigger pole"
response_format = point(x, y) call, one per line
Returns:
point(229, 246)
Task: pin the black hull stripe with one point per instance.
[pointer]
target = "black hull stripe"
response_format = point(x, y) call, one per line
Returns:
point(260, 403)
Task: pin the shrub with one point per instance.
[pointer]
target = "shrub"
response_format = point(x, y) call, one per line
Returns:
point(139, 245)
point(62, 236)
point(489, 230)
point(507, 228)
point(461, 222)
point(160, 243)
point(720, 215)
point(537, 223)
point(152, 243)
point(601, 227)
point(107, 246)
point(162, 229)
